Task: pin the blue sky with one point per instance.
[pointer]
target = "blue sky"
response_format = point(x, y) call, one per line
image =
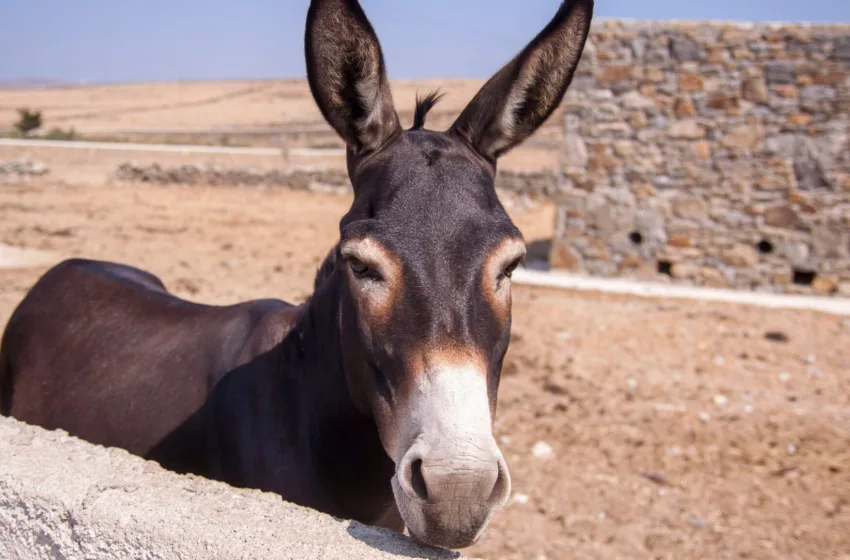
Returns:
point(161, 40)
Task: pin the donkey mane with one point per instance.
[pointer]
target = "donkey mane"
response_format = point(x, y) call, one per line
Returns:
point(327, 267)
point(423, 106)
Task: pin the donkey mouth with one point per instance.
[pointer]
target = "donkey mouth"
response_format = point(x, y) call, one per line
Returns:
point(447, 497)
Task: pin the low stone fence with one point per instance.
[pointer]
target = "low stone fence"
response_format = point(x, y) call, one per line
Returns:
point(17, 171)
point(537, 184)
point(64, 498)
point(191, 174)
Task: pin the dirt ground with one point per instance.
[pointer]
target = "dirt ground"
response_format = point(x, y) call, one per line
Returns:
point(633, 428)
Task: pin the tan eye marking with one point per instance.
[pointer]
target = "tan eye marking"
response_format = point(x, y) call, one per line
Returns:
point(498, 269)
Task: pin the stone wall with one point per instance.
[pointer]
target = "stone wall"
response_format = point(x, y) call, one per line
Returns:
point(17, 171)
point(712, 154)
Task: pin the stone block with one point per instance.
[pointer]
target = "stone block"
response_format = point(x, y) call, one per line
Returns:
point(817, 99)
point(575, 152)
point(563, 256)
point(701, 149)
point(690, 83)
point(787, 91)
point(614, 73)
point(687, 129)
point(741, 256)
point(690, 208)
point(724, 102)
point(654, 74)
point(824, 285)
point(755, 90)
point(713, 278)
point(685, 108)
point(685, 270)
point(781, 217)
point(744, 137)
point(635, 101)
point(780, 73)
point(685, 49)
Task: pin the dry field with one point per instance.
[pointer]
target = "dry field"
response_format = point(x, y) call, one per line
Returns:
point(634, 428)
point(201, 106)
point(241, 112)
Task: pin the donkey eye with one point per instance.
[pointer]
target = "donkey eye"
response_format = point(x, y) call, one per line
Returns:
point(362, 270)
point(509, 270)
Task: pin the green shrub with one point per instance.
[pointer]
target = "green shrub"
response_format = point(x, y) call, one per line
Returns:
point(28, 121)
point(59, 134)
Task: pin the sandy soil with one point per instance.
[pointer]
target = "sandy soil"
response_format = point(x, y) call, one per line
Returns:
point(634, 428)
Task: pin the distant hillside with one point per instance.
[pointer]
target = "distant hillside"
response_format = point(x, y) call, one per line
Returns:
point(25, 83)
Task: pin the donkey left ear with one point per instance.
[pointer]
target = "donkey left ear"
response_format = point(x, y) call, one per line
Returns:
point(347, 75)
point(522, 95)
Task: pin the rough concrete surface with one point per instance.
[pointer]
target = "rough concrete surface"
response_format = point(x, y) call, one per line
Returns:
point(64, 498)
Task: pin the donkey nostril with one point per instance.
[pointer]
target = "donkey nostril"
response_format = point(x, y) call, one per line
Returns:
point(502, 488)
point(417, 481)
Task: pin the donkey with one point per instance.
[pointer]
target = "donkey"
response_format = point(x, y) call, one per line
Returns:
point(375, 399)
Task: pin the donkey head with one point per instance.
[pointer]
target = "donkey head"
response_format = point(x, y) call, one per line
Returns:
point(426, 256)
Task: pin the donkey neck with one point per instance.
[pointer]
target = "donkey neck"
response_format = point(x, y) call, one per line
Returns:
point(345, 450)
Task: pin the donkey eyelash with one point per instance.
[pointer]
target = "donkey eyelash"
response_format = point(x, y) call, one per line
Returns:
point(508, 271)
point(363, 271)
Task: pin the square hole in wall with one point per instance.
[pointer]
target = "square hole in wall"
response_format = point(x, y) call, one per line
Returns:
point(803, 277)
point(665, 267)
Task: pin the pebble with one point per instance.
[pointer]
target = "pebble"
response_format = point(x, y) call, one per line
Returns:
point(505, 440)
point(542, 450)
point(521, 498)
point(810, 359)
point(792, 449)
point(749, 409)
point(563, 335)
point(784, 377)
point(704, 416)
point(776, 336)
point(831, 506)
point(696, 522)
point(720, 400)
point(632, 384)
point(719, 360)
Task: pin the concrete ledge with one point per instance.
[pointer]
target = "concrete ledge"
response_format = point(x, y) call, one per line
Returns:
point(566, 281)
point(64, 498)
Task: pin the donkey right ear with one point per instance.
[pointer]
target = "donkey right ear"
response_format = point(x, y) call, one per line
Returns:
point(347, 75)
point(524, 93)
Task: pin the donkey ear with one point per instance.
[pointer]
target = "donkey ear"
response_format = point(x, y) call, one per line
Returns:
point(345, 68)
point(522, 95)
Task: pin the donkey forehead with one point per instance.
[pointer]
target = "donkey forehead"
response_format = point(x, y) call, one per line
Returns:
point(427, 187)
